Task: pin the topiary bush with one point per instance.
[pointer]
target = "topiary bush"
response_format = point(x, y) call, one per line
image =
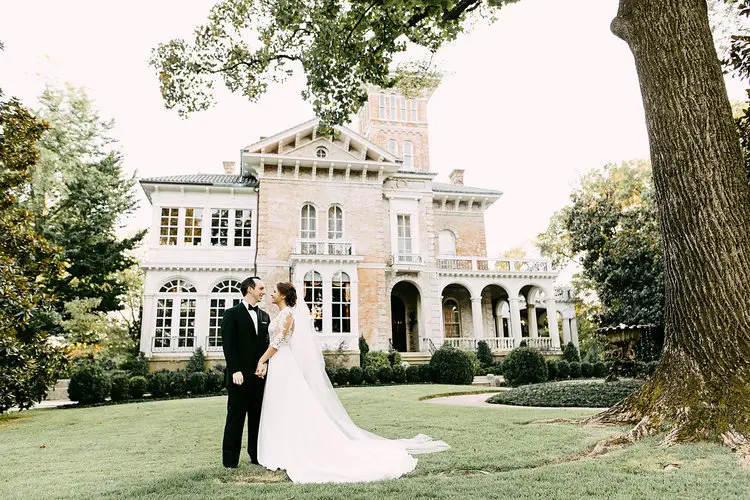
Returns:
point(426, 374)
point(452, 366)
point(197, 362)
point(496, 368)
point(591, 394)
point(600, 369)
point(356, 375)
point(385, 374)
point(551, 369)
point(363, 350)
point(377, 359)
point(524, 365)
point(594, 354)
point(570, 353)
point(178, 383)
point(197, 382)
point(399, 374)
point(158, 384)
point(484, 354)
point(412, 374)
point(341, 376)
point(89, 384)
point(137, 386)
point(394, 358)
point(575, 369)
point(587, 369)
point(563, 369)
point(119, 389)
point(371, 375)
point(135, 365)
point(214, 382)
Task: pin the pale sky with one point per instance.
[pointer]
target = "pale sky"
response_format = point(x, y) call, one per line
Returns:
point(528, 103)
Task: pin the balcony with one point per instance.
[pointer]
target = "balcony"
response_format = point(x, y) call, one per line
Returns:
point(324, 250)
point(501, 344)
point(467, 264)
point(408, 262)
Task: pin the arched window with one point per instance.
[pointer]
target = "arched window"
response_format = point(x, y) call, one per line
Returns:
point(403, 109)
point(314, 297)
point(308, 222)
point(341, 303)
point(408, 154)
point(393, 108)
point(381, 110)
point(392, 147)
point(175, 316)
point(446, 243)
point(451, 319)
point(414, 113)
point(225, 294)
point(335, 222)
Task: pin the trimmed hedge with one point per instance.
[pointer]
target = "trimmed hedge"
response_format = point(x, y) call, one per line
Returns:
point(137, 386)
point(214, 381)
point(551, 369)
point(341, 376)
point(371, 375)
point(412, 374)
point(178, 385)
point(600, 369)
point(524, 365)
point(197, 382)
point(590, 394)
point(399, 374)
point(426, 373)
point(356, 375)
point(484, 354)
point(563, 369)
point(587, 369)
point(89, 384)
point(385, 374)
point(570, 353)
point(158, 384)
point(377, 359)
point(575, 369)
point(120, 390)
point(452, 366)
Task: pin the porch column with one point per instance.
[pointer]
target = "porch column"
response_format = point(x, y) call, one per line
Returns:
point(147, 323)
point(531, 319)
point(515, 321)
point(327, 309)
point(554, 332)
point(574, 330)
point(566, 330)
point(476, 317)
point(354, 311)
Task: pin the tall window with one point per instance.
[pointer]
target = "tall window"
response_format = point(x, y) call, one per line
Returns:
point(175, 305)
point(224, 295)
point(308, 222)
point(404, 234)
point(243, 228)
point(335, 223)
point(381, 110)
point(392, 147)
point(341, 303)
point(413, 110)
point(446, 243)
point(193, 231)
point(168, 225)
point(314, 298)
point(393, 108)
point(403, 109)
point(219, 227)
point(451, 319)
point(408, 154)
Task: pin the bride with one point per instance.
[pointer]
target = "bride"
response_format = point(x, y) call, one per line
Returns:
point(304, 428)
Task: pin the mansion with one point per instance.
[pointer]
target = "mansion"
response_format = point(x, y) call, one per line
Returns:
point(357, 221)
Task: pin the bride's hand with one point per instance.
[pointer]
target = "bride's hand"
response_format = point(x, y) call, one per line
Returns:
point(260, 370)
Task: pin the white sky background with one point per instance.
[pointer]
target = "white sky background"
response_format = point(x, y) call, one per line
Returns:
point(529, 102)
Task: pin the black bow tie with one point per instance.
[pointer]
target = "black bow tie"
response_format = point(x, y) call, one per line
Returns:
point(253, 308)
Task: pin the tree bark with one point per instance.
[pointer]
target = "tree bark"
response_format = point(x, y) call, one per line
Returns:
point(701, 390)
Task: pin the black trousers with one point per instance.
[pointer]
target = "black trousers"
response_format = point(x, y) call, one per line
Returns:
point(244, 400)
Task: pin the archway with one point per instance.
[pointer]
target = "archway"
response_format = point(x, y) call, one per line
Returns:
point(405, 313)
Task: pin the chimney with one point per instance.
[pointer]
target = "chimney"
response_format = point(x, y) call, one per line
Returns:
point(229, 167)
point(457, 176)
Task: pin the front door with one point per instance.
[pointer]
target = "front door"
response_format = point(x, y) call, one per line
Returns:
point(398, 324)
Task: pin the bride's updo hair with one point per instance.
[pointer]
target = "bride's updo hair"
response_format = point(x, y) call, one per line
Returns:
point(288, 291)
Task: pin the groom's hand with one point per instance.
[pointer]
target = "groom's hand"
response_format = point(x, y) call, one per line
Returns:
point(237, 378)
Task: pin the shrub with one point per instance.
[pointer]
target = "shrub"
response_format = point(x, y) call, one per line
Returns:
point(341, 376)
point(570, 353)
point(214, 382)
point(158, 384)
point(592, 394)
point(394, 358)
point(523, 343)
point(563, 369)
point(197, 382)
point(587, 369)
point(651, 367)
point(119, 390)
point(600, 369)
point(484, 354)
point(551, 369)
point(575, 369)
point(197, 362)
point(331, 374)
point(594, 354)
point(426, 373)
point(496, 368)
point(452, 366)
point(137, 386)
point(475, 365)
point(135, 365)
point(412, 374)
point(356, 375)
point(178, 383)
point(363, 350)
point(385, 374)
point(399, 374)
point(371, 375)
point(89, 384)
point(377, 359)
point(524, 365)
point(481, 371)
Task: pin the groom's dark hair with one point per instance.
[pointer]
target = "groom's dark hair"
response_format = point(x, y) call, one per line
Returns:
point(248, 283)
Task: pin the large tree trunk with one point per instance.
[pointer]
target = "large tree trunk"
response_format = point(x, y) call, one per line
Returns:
point(701, 389)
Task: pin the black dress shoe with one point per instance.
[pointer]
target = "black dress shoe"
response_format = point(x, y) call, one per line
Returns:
point(230, 466)
point(254, 462)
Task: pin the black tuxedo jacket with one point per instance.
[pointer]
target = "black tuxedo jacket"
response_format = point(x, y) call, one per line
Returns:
point(242, 344)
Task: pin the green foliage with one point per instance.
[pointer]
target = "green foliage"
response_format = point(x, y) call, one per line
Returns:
point(399, 374)
point(385, 374)
point(377, 359)
point(484, 354)
point(136, 365)
point(197, 362)
point(590, 394)
point(570, 353)
point(427, 374)
point(475, 366)
point(120, 389)
point(89, 384)
point(356, 375)
point(178, 383)
point(197, 382)
point(158, 384)
point(341, 376)
point(413, 374)
point(575, 369)
point(394, 358)
point(551, 369)
point(331, 372)
point(524, 365)
point(563, 369)
point(363, 350)
point(594, 353)
point(452, 366)
point(600, 369)
point(214, 382)
point(137, 386)
point(496, 368)
point(587, 369)
point(371, 375)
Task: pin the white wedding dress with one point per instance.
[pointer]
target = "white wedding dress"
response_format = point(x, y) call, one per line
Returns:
point(305, 430)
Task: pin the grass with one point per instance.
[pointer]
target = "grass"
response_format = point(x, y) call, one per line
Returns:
point(171, 449)
point(569, 393)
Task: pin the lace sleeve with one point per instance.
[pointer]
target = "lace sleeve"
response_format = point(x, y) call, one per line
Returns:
point(286, 328)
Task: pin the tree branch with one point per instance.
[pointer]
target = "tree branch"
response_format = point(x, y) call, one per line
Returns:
point(250, 63)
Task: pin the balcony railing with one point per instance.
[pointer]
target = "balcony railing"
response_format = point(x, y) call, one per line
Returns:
point(470, 343)
point(323, 247)
point(407, 258)
point(541, 343)
point(451, 263)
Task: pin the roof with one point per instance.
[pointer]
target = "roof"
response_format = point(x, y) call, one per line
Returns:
point(204, 180)
point(440, 187)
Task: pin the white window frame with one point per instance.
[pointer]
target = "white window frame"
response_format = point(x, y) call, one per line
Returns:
point(401, 234)
point(392, 147)
point(454, 325)
point(408, 154)
point(243, 227)
point(381, 107)
point(168, 233)
point(178, 299)
point(393, 108)
point(414, 110)
point(341, 320)
point(403, 109)
point(312, 283)
point(224, 295)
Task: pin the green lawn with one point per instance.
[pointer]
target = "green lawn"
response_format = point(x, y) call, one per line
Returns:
point(171, 449)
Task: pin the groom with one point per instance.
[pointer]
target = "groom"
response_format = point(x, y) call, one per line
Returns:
point(244, 333)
